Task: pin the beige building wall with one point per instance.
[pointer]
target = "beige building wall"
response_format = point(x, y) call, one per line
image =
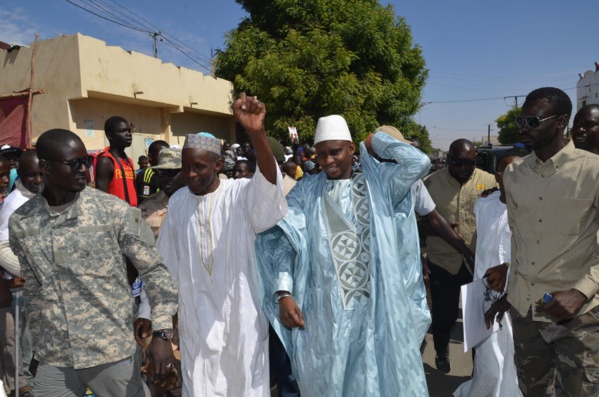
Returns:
point(56, 71)
point(85, 82)
point(587, 89)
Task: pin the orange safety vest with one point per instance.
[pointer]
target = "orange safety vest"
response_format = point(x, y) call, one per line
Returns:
point(123, 189)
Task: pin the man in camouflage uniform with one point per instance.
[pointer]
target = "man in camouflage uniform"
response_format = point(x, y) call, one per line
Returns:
point(552, 200)
point(71, 242)
point(153, 209)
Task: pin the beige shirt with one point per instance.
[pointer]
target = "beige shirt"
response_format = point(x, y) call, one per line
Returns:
point(455, 203)
point(153, 210)
point(552, 211)
point(288, 184)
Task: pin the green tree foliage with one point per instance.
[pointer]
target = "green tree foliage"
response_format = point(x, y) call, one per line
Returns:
point(310, 58)
point(508, 130)
point(414, 130)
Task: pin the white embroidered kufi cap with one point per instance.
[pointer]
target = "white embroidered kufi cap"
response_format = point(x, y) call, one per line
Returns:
point(332, 128)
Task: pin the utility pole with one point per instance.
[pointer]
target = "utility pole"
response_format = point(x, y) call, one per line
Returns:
point(155, 36)
point(515, 98)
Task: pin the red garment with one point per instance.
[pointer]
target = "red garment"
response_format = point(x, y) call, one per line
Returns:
point(117, 187)
point(13, 121)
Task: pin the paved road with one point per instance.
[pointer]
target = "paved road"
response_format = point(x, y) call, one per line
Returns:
point(443, 385)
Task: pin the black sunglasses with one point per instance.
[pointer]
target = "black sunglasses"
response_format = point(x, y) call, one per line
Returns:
point(458, 163)
point(532, 121)
point(75, 164)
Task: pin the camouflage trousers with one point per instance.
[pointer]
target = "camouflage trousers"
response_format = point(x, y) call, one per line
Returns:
point(557, 359)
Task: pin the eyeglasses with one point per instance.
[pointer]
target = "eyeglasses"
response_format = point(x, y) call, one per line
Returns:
point(459, 163)
point(532, 121)
point(75, 164)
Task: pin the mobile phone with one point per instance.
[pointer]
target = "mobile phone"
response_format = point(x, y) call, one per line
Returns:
point(547, 297)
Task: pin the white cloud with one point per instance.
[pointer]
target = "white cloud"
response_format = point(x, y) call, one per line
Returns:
point(17, 27)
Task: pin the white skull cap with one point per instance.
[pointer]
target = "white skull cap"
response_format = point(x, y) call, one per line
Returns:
point(332, 128)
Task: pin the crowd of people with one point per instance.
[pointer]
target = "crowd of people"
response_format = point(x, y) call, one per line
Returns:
point(220, 270)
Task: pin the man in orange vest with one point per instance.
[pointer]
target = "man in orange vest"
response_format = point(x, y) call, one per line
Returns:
point(115, 172)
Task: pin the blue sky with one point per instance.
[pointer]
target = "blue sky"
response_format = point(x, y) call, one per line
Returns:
point(475, 50)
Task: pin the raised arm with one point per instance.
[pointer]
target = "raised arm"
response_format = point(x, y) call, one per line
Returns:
point(250, 113)
point(411, 163)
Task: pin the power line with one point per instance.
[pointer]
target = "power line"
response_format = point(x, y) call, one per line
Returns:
point(469, 77)
point(495, 98)
point(184, 53)
point(467, 88)
point(109, 12)
point(466, 100)
point(105, 18)
point(172, 38)
point(133, 24)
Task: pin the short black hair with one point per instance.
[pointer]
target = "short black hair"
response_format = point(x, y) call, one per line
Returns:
point(251, 166)
point(142, 158)
point(52, 139)
point(416, 142)
point(3, 159)
point(111, 122)
point(557, 98)
point(23, 161)
point(154, 146)
point(251, 155)
point(288, 165)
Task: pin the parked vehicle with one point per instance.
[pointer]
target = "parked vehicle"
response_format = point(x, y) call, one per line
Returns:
point(488, 156)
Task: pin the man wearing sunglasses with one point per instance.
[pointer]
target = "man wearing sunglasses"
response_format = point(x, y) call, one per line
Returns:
point(552, 199)
point(454, 190)
point(71, 242)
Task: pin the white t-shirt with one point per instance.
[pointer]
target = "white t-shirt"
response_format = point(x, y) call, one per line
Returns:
point(423, 202)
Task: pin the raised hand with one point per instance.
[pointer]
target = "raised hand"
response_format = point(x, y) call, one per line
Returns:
point(250, 113)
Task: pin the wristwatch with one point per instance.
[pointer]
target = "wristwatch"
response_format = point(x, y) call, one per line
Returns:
point(166, 334)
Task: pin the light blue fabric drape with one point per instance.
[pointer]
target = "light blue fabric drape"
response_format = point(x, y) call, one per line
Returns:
point(372, 349)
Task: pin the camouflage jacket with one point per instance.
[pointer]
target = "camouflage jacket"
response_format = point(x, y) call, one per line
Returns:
point(77, 299)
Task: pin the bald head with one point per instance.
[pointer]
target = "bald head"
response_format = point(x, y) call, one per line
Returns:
point(30, 172)
point(461, 160)
point(585, 130)
point(461, 146)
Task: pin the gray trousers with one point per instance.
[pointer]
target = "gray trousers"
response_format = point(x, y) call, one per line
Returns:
point(118, 379)
point(7, 350)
